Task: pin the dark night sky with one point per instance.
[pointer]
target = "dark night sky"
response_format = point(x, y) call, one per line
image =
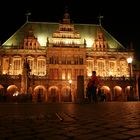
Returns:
point(121, 18)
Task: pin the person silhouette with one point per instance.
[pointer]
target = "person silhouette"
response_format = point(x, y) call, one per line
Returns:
point(94, 84)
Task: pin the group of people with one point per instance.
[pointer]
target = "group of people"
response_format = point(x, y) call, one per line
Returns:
point(92, 86)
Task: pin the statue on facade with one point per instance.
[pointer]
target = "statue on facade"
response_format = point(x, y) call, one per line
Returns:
point(25, 76)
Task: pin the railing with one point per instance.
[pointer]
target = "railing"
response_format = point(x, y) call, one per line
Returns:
point(6, 76)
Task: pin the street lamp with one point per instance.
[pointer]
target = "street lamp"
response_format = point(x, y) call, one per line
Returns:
point(70, 82)
point(129, 60)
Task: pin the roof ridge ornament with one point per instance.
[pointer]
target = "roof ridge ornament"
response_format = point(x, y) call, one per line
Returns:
point(100, 17)
point(66, 17)
point(27, 16)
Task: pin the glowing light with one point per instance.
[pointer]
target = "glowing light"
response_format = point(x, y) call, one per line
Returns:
point(16, 93)
point(67, 42)
point(110, 73)
point(89, 42)
point(42, 40)
point(70, 81)
point(4, 72)
point(89, 74)
point(129, 60)
point(63, 76)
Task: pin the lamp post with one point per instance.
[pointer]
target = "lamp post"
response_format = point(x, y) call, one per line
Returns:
point(70, 82)
point(129, 60)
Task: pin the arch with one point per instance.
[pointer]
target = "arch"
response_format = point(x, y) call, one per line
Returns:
point(39, 94)
point(106, 90)
point(1, 89)
point(139, 88)
point(66, 94)
point(53, 94)
point(12, 90)
point(117, 93)
point(1, 86)
point(127, 93)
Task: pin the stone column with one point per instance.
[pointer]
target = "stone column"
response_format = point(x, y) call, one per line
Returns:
point(80, 89)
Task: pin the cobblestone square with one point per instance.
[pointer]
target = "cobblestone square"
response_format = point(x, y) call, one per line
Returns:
point(65, 121)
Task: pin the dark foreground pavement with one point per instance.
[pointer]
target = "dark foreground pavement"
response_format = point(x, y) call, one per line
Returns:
point(97, 121)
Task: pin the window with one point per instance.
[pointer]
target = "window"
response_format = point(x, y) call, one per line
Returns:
point(16, 66)
point(41, 63)
point(80, 60)
point(101, 67)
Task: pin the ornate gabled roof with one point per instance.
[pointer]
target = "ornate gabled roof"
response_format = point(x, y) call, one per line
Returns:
point(44, 30)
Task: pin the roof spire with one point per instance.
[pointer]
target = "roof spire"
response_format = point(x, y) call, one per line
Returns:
point(27, 16)
point(100, 19)
point(66, 18)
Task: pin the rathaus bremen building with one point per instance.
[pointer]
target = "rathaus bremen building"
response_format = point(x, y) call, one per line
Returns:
point(52, 62)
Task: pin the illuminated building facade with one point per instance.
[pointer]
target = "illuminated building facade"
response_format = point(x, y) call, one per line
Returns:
point(41, 57)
